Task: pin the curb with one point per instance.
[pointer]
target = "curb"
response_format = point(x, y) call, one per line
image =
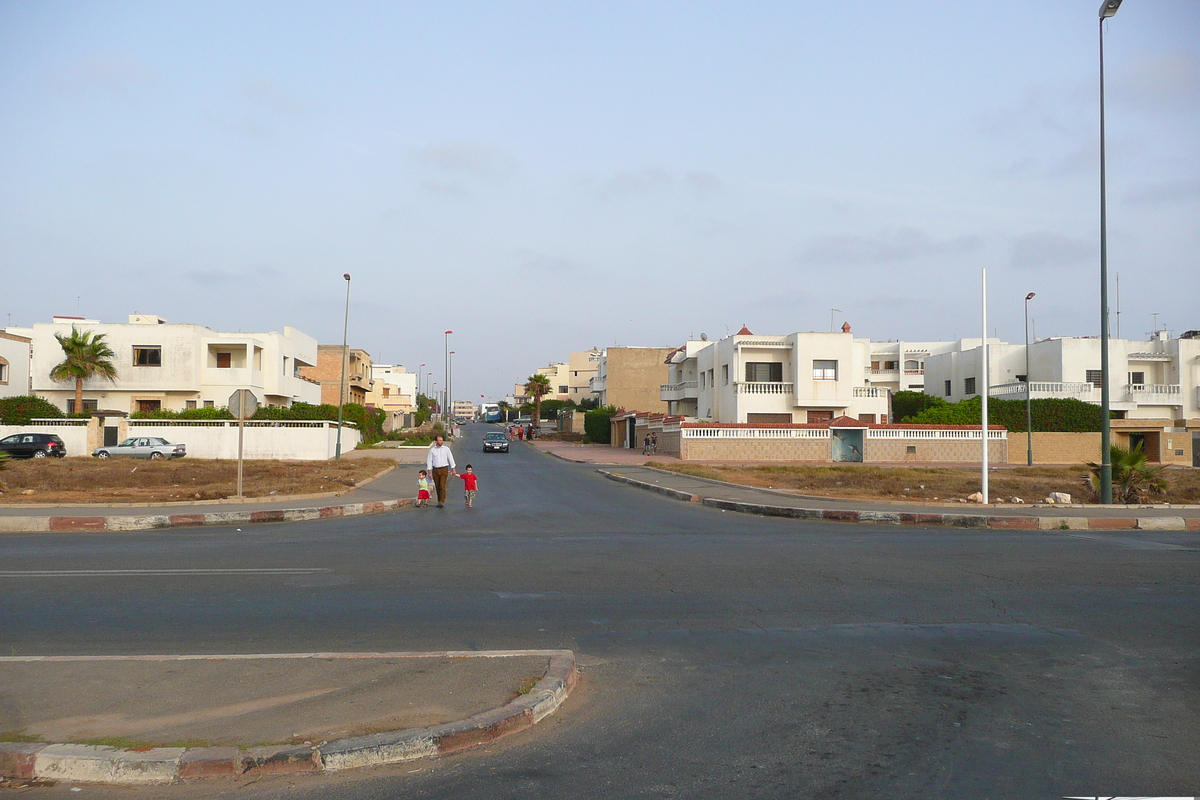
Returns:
point(158, 765)
point(995, 522)
point(156, 521)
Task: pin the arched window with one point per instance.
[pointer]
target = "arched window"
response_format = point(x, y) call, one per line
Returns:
point(3, 370)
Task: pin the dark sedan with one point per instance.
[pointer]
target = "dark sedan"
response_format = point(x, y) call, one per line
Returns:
point(33, 445)
point(495, 442)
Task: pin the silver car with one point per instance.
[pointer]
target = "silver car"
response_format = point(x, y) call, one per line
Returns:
point(143, 447)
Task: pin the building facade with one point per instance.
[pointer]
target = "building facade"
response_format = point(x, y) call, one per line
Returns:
point(177, 366)
point(394, 391)
point(328, 373)
point(631, 378)
point(581, 368)
point(14, 364)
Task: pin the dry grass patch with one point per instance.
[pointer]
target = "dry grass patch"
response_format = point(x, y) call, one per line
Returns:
point(118, 480)
point(924, 483)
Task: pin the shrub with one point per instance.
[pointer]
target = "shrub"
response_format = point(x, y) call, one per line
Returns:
point(906, 405)
point(20, 410)
point(596, 424)
point(1133, 479)
point(368, 420)
point(1065, 415)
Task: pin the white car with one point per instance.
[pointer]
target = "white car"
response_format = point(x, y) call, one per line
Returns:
point(143, 447)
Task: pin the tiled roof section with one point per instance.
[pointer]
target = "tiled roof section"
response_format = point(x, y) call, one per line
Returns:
point(673, 353)
point(744, 332)
point(848, 422)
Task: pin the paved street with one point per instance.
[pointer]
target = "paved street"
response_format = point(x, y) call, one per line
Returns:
point(723, 655)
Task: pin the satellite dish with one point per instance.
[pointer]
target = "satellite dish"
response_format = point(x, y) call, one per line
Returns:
point(704, 337)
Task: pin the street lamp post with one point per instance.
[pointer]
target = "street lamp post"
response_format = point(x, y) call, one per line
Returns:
point(1028, 389)
point(420, 379)
point(446, 388)
point(450, 386)
point(1107, 9)
point(337, 450)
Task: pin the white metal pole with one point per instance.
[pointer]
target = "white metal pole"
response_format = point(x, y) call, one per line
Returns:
point(984, 430)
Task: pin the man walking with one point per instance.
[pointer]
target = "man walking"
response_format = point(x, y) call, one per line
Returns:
point(440, 463)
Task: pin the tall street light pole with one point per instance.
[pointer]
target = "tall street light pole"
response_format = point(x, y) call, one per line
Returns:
point(1107, 9)
point(421, 379)
point(450, 386)
point(337, 450)
point(446, 388)
point(1028, 389)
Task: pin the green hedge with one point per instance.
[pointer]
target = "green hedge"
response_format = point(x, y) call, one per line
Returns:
point(906, 405)
point(596, 425)
point(20, 410)
point(1066, 415)
point(211, 412)
point(369, 421)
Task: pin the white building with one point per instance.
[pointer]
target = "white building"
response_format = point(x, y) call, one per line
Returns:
point(1155, 379)
point(178, 366)
point(14, 364)
point(797, 378)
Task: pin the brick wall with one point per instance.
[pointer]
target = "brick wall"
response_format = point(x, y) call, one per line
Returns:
point(950, 451)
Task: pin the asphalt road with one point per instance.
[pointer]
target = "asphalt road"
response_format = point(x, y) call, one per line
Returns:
point(724, 655)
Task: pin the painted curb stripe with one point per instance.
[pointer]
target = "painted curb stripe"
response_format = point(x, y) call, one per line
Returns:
point(987, 521)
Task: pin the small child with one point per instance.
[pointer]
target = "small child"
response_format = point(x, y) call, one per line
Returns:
point(470, 484)
point(423, 486)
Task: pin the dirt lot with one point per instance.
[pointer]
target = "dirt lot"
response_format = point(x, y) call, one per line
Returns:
point(89, 480)
point(943, 484)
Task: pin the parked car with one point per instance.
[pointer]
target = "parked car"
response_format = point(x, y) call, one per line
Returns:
point(33, 445)
point(495, 442)
point(143, 447)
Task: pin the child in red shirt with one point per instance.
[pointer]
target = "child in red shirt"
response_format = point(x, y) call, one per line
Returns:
point(470, 483)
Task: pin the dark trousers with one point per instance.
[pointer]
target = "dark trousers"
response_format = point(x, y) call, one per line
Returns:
point(439, 482)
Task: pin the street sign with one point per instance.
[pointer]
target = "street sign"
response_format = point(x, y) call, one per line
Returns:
point(243, 404)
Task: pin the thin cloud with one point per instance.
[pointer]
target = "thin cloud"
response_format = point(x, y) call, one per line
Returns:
point(467, 158)
point(119, 73)
point(625, 184)
point(1159, 81)
point(703, 182)
point(848, 249)
point(1046, 249)
point(1158, 194)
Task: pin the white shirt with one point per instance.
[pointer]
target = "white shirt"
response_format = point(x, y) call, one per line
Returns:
point(439, 457)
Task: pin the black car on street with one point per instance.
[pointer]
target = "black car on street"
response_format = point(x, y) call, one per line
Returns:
point(33, 445)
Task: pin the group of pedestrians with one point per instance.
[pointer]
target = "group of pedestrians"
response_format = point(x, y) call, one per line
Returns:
point(651, 445)
point(520, 432)
point(439, 465)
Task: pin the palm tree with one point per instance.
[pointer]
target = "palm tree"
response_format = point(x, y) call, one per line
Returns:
point(1134, 480)
point(87, 355)
point(537, 385)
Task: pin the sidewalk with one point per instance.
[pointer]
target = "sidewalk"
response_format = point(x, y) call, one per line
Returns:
point(153, 719)
point(777, 503)
point(387, 492)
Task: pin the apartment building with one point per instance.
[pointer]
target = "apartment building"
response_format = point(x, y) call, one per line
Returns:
point(581, 368)
point(177, 366)
point(794, 378)
point(328, 373)
point(394, 391)
point(631, 378)
point(14, 364)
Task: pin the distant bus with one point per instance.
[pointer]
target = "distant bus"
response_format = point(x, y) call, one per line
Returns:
point(490, 412)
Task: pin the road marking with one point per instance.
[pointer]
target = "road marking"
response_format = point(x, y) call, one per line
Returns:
point(101, 573)
point(313, 656)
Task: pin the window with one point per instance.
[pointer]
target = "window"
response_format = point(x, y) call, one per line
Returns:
point(712, 381)
point(891, 365)
point(88, 405)
point(387, 392)
point(763, 372)
point(3, 370)
point(562, 389)
point(947, 391)
point(725, 375)
point(968, 385)
point(1094, 377)
point(824, 370)
point(208, 403)
point(149, 405)
point(191, 404)
point(701, 380)
point(147, 356)
point(1022, 379)
point(1137, 378)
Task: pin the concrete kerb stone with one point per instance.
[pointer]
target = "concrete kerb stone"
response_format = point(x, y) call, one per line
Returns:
point(158, 521)
point(909, 518)
point(99, 764)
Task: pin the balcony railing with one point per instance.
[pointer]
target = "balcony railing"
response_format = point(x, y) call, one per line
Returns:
point(1040, 391)
point(763, 387)
point(869, 391)
point(678, 391)
point(874, 371)
point(1154, 393)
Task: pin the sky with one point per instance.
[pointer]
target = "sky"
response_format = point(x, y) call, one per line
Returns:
point(545, 177)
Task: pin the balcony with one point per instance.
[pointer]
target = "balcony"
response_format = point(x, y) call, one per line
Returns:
point(1043, 391)
point(238, 378)
point(871, 371)
point(869, 391)
point(1154, 394)
point(763, 387)
point(687, 390)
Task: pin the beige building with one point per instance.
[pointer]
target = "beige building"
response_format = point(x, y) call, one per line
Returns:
point(328, 373)
point(581, 368)
point(631, 378)
point(394, 391)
